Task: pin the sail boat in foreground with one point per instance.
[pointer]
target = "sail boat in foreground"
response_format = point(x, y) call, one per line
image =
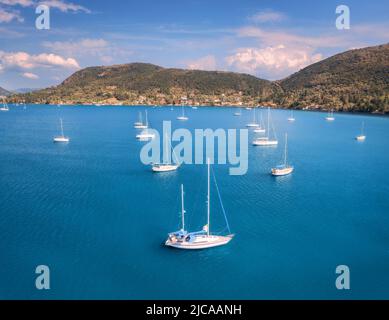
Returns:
point(283, 169)
point(166, 166)
point(362, 136)
point(62, 137)
point(266, 141)
point(203, 239)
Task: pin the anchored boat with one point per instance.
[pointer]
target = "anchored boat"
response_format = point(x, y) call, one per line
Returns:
point(202, 239)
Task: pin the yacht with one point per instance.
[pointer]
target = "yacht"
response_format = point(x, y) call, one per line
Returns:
point(183, 117)
point(168, 165)
point(266, 141)
point(61, 138)
point(361, 137)
point(203, 239)
point(283, 169)
point(330, 116)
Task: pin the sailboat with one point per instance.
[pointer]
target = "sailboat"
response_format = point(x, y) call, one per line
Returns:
point(139, 124)
point(362, 136)
point(283, 169)
point(5, 107)
point(167, 166)
point(182, 117)
point(291, 118)
point(145, 134)
point(239, 113)
point(202, 239)
point(261, 128)
point(253, 124)
point(330, 116)
point(266, 141)
point(62, 137)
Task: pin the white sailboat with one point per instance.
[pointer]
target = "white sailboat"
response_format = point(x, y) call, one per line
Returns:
point(261, 128)
point(266, 141)
point(330, 116)
point(5, 107)
point(291, 118)
point(183, 117)
point(283, 169)
point(362, 136)
point(145, 135)
point(239, 113)
point(166, 166)
point(61, 138)
point(139, 124)
point(253, 124)
point(203, 239)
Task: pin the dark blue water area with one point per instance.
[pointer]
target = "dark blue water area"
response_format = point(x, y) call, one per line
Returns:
point(98, 217)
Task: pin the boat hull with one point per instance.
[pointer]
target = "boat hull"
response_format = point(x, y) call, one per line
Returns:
point(252, 125)
point(60, 139)
point(360, 138)
point(330, 119)
point(201, 242)
point(259, 130)
point(182, 118)
point(164, 167)
point(282, 172)
point(265, 143)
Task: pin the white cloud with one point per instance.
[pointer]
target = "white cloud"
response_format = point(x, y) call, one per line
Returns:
point(8, 16)
point(267, 16)
point(30, 75)
point(23, 3)
point(24, 60)
point(276, 60)
point(65, 6)
point(61, 5)
point(204, 63)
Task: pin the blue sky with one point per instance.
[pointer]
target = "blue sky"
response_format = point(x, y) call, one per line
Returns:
point(269, 39)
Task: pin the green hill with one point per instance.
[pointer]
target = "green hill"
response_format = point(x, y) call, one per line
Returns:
point(355, 80)
point(139, 83)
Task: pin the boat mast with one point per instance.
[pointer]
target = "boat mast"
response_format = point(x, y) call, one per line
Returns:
point(254, 116)
point(61, 127)
point(208, 198)
point(182, 208)
point(363, 127)
point(286, 149)
point(268, 123)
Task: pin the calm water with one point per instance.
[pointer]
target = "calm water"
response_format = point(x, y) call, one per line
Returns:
point(98, 217)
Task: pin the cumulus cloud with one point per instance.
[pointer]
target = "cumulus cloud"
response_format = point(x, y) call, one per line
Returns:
point(65, 6)
point(8, 16)
point(86, 48)
point(61, 5)
point(276, 60)
point(24, 60)
point(267, 16)
point(23, 3)
point(204, 63)
point(30, 75)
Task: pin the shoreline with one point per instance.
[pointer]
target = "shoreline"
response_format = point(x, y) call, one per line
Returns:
point(375, 113)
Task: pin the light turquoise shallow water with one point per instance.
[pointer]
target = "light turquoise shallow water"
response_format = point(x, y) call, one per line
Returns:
point(97, 216)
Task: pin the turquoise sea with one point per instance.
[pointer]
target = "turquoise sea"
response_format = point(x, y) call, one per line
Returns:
point(98, 217)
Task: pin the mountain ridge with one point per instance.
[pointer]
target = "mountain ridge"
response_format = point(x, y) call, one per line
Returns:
point(355, 80)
